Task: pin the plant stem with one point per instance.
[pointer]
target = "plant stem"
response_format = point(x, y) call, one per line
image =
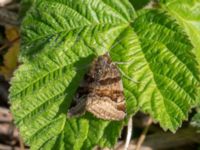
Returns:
point(129, 133)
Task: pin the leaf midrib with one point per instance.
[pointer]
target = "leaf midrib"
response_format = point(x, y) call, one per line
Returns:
point(90, 25)
point(72, 29)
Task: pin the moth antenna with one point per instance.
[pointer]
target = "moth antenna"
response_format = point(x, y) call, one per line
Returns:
point(129, 78)
point(123, 63)
point(107, 53)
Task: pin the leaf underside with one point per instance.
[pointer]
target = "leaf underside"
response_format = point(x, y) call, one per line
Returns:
point(60, 38)
point(195, 122)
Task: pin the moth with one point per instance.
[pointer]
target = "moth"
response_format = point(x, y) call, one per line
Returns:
point(101, 91)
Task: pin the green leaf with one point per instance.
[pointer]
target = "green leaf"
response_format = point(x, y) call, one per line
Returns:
point(25, 5)
point(170, 77)
point(60, 38)
point(187, 13)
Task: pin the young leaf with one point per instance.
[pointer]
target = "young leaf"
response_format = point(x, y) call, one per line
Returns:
point(60, 38)
point(187, 13)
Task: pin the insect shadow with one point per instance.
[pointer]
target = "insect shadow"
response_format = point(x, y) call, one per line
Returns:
point(81, 68)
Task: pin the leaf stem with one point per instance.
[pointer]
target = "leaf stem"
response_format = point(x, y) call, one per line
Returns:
point(129, 133)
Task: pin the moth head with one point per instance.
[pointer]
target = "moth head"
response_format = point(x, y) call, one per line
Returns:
point(104, 60)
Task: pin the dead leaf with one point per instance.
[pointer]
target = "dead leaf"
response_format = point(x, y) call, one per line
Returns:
point(12, 33)
point(4, 2)
point(10, 58)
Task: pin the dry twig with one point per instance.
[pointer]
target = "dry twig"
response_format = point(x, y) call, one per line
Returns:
point(143, 135)
point(21, 143)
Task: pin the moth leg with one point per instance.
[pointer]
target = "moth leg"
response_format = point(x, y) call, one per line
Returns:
point(121, 106)
point(127, 77)
point(79, 109)
point(123, 63)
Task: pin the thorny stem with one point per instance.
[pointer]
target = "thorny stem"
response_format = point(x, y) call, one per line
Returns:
point(143, 135)
point(129, 133)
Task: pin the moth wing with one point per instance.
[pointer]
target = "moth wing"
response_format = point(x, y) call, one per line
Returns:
point(105, 108)
point(79, 109)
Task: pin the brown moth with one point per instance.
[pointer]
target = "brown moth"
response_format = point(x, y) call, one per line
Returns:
point(101, 91)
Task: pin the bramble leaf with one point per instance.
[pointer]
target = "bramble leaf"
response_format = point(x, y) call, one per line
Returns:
point(170, 78)
point(59, 40)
